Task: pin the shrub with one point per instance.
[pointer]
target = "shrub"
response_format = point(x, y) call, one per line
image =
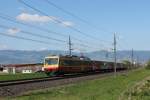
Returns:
point(147, 65)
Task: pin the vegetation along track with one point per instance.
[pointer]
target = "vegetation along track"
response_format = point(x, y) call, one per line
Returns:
point(16, 88)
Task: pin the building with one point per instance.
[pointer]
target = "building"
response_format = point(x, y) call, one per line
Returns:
point(22, 68)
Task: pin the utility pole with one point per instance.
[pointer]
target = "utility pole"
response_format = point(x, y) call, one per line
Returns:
point(132, 58)
point(115, 54)
point(137, 61)
point(107, 54)
point(70, 48)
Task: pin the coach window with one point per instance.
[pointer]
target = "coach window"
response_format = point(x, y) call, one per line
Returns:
point(65, 63)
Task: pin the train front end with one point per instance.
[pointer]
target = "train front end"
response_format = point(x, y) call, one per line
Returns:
point(51, 65)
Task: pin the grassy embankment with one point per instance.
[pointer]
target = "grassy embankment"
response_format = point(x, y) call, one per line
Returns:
point(6, 77)
point(140, 91)
point(109, 88)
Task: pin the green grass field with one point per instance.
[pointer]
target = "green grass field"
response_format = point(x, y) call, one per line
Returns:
point(141, 91)
point(6, 77)
point(109, 88)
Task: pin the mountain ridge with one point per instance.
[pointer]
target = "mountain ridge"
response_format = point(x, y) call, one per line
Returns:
point(34, 56)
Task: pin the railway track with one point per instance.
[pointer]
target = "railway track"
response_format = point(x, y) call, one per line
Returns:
point(22, 81)
point(18, 87)
point(19, 80)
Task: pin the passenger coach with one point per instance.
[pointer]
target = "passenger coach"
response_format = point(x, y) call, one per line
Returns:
point(54, 65)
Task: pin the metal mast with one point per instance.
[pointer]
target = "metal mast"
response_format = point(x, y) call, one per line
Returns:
point(70, 48)
point(115, 56)
point(132, 58)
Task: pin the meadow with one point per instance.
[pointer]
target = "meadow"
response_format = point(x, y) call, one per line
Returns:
point(7, 77)
point(109, 88)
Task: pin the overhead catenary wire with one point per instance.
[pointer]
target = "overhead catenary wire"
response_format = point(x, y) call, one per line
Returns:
point(59, 21)
point(9, 18)
point(6, 17)
point(48, 31)
point(23, 38)
point(75, 16)
point(33, 34)
point(27, 39)
point(41, 36)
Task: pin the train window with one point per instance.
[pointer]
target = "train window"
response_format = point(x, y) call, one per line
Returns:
point(70, 63)
point(51, 61)
point(65, 63)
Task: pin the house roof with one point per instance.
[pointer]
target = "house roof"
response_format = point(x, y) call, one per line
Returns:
point(22, 65)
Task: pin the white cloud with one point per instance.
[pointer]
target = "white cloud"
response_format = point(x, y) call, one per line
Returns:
point(13, 31)
point(26, 17)
point(67, 23)
point(3, 47)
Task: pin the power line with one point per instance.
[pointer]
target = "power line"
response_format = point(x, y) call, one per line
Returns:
point(73, 15)
point(65, 11)
point(6, 17)
point(42, 36)
point(29, 25)
point(23, 38)
point(33, 34)
point(9, 18)
point(57, 21)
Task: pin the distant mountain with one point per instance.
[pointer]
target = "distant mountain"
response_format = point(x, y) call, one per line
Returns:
point(20, 56)
point(139, 56)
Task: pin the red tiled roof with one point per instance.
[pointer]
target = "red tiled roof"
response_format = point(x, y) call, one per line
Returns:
point(22, 65)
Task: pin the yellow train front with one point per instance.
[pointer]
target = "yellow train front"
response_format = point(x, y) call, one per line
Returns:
point(51, 65)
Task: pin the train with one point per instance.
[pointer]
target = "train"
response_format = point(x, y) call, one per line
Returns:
point(60, 65)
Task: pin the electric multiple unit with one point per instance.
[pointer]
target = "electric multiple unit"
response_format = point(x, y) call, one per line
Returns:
point(54, 65)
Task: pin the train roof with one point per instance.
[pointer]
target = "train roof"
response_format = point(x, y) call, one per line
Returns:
point(22, 65)
point(69, 57)
point(74, 57)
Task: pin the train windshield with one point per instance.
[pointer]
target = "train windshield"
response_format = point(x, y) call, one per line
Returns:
point(51, 61)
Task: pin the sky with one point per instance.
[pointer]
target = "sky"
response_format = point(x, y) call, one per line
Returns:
point(128, 19)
